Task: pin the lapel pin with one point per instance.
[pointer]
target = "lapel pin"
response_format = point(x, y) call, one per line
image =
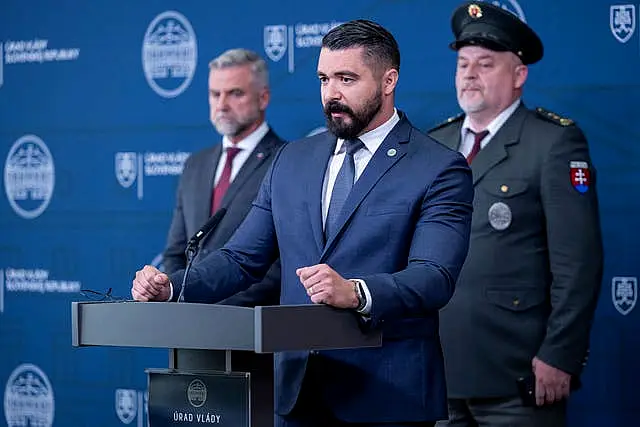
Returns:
point(260, 155)
point(392, 152)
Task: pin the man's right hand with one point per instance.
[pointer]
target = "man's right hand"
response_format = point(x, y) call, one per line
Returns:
point(150, 284)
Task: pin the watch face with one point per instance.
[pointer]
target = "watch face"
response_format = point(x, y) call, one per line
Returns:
point(359, 294)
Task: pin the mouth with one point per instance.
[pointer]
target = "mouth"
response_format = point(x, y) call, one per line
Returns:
point(336, 110)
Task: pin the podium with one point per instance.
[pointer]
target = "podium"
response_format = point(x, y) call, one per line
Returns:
point(220, 339)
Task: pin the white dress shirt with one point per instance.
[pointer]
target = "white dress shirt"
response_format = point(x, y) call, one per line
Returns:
point(372, 141)
point(247, 145)
point(467, 137)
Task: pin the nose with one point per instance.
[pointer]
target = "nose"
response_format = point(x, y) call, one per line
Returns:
point(470, 72)
point(330, 92)
point(222, 103)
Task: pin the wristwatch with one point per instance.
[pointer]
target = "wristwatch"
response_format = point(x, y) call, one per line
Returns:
point(362, 299)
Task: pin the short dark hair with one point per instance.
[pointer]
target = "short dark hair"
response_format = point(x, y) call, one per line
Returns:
point(380, 46)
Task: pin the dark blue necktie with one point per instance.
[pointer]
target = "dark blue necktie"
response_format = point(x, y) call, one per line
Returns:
point(342, 186)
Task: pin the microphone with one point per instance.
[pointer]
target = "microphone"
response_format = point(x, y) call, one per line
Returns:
point(194, 244)
point(206, 228)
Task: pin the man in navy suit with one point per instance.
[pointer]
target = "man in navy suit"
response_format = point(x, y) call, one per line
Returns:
point(372, 216)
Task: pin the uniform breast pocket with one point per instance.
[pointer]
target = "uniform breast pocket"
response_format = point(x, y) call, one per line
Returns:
point(516, 298)
point(505, 202)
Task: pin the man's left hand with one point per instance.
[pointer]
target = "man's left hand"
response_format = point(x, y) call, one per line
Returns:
point(552, 384)
point(325, 286)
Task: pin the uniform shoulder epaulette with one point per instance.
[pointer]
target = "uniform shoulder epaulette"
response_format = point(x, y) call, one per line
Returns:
point(447, 122)
point(553, 117)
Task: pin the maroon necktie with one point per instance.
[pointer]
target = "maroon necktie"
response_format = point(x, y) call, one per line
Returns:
point(477, 139)
point(225, 179)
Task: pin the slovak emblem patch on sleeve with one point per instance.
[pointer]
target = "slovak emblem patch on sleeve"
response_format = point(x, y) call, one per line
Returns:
point(580, 176)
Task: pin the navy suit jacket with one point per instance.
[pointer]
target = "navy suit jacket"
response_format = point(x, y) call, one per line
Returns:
point(404, 230)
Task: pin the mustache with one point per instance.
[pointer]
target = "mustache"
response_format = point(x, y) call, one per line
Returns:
point(471, 87)
point(337, 107)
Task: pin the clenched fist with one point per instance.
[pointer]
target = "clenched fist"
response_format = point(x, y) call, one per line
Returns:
point(150, 284)
point(325, 286)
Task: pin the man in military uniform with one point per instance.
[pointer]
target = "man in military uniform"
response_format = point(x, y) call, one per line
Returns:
point(518, 324)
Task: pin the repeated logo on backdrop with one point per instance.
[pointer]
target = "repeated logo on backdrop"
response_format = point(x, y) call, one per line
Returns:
point(132, 167)
point(36, 280)
point(285, 39)
point(624, 294)
point(29, 176)
point(131, 405)
point(33, 281)
point(169, 54)
point(28, 398)
point(32, 51)
point(622, 21)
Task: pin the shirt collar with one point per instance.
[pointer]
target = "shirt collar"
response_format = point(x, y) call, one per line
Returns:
point(373, 139)
point(495, 124)
point(250, 141)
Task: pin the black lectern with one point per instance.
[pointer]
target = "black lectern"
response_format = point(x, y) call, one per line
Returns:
point(216, 339)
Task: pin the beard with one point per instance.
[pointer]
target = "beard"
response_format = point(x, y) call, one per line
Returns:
point(359, 119)
point(474, 105)
point(231, 126)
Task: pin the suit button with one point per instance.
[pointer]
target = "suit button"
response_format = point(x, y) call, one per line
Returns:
point(516, 302)
point(313, 352)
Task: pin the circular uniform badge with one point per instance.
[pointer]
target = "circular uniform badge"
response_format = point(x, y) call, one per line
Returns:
point(500, 216)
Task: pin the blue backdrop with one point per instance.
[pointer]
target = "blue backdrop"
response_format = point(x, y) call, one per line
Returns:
point(101, 101)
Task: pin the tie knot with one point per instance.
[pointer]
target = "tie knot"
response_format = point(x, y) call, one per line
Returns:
point(479, 136)
point(352, 145)
point(232, 152)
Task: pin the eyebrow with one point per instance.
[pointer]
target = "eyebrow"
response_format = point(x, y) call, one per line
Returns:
point(481, 57)
point(233, 89)
point(341, 74)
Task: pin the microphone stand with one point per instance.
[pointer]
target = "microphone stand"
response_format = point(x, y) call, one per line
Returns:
point(190, 252)
point(193, 245)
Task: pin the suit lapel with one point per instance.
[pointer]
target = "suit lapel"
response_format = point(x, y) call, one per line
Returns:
point(450, 136)
point(204, 185)
point(496, 150)
point(392, 149)
point(317, 166)
point(263, 150)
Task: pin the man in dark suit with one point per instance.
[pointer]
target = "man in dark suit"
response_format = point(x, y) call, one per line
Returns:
point(372, 216)
point(228, 175)
point(526, 296)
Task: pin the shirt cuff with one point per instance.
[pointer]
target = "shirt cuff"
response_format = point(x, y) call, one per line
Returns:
point(366, 310)
point(170, 291)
